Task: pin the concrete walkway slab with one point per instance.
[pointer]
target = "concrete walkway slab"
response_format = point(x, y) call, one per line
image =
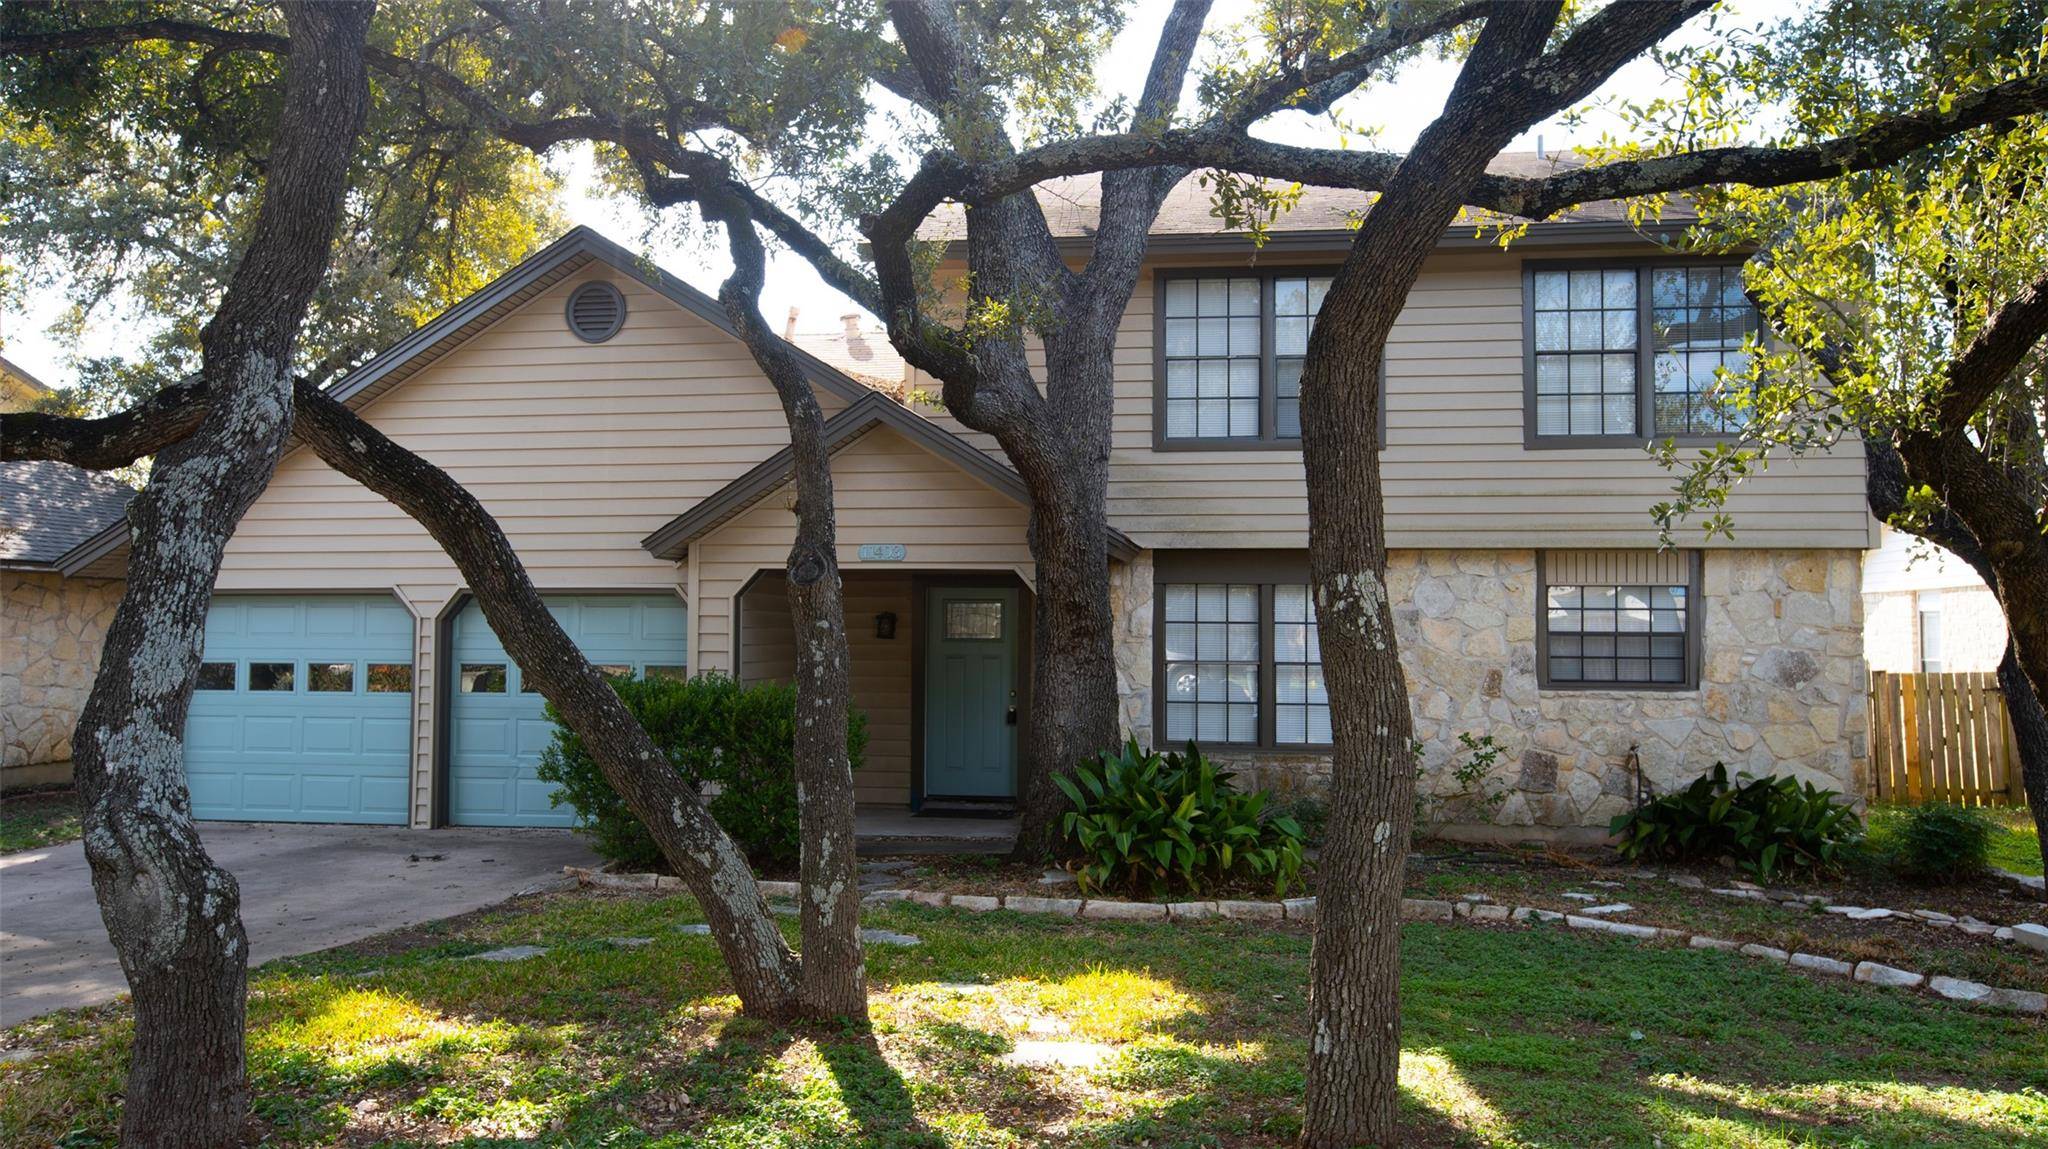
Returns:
point(304, 888)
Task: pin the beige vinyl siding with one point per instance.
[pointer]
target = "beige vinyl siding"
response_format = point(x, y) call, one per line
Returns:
point(1455, 469)
point(881, 668)
point(886, 490)
point(579, 450)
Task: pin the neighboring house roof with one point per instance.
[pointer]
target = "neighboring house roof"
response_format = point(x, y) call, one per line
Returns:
point(1186, 217)
point(18, 388)
point(54, 516)
point(859, 347)
point(673, 540)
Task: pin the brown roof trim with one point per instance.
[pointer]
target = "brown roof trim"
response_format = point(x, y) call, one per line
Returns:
point(78, 558)
point(874, 409)
point(536, 273)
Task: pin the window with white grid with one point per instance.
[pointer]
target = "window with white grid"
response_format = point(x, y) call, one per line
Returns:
point(1301, 704)
point(1617, 634)
point(1212, 358)
point(1586, 339)
point(1700, 320)
point(1296, 300)
point(1212, 662)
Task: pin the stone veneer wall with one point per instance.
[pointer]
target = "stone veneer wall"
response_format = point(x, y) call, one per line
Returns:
point(1782, 691)
point(49, 652)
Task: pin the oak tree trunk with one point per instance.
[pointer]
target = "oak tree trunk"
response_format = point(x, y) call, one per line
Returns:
point(762, 969)
point(834, 978)
point(1355, 965)
point(1073, 709)
point(1886, 488)
point(171, 913)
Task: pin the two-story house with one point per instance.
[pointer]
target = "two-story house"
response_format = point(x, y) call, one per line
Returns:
point(637, 459)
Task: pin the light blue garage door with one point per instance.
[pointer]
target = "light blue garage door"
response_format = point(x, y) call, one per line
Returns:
point(498, 728)
point(303, 711)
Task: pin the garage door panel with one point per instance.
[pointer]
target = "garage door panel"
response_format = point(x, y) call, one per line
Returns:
point(498, 737)
point(269, 734)
point(331, 735)
point(386, 735)
point(479, 736)
point(534, 736)
point(339, 754)
point(211, 732)
point(387, 797)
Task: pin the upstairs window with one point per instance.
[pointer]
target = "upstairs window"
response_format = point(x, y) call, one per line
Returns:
point(1230, 351)
point(1629, 352)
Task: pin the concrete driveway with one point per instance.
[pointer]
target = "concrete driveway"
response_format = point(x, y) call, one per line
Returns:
point(304, 888)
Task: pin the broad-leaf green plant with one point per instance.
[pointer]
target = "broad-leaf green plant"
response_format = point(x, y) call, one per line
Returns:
point(1148, 823)
point(1769, 826)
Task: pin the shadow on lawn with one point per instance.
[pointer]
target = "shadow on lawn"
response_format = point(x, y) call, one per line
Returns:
point(1522, 1037)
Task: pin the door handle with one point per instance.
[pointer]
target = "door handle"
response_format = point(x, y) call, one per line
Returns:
point(1010, 718)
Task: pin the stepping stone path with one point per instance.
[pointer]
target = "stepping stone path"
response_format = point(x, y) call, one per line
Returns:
point(1064, 1054)
point(701, 929)
point(1614, 908)
point(510, 953)
point(1581, 896)
point(632, 943)
point(889, 938)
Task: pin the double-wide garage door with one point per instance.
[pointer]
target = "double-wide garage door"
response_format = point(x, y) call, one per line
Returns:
point(497, 725)
point(303, 711)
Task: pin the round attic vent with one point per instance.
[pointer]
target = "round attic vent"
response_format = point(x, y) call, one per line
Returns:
point(596, 311)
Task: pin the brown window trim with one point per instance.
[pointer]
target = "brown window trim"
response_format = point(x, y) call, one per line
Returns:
point(1269, 387)
point(1695, 605)
point(1645, 354)
point(1261, 568)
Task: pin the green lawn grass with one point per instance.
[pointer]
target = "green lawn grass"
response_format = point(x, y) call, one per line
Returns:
point(2017, 846)
point(37, 818)
point(1513, 1037)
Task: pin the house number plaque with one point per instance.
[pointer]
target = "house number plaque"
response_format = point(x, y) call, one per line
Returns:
point(882, 552)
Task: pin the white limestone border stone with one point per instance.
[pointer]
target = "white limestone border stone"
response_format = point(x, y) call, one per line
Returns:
point(1422, 909)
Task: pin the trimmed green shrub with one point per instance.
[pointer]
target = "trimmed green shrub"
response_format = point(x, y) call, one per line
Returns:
point(1147, 823)
point(1769, 826)
point(713, 729)
point(1940, 842)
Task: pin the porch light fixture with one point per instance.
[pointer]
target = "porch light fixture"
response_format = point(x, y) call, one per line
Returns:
point(885, 624)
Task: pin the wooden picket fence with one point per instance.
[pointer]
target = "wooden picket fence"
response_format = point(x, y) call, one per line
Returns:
point(1942, 738)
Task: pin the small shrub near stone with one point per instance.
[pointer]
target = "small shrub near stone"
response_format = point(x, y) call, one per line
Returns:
point(1769, 826)
point(713, 729)
point(1941, 842)
point(1148, 823)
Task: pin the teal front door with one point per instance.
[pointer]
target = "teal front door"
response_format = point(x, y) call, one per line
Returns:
point(970, 692)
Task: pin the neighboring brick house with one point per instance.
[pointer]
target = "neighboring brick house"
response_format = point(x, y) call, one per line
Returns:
point(1925, 611)
point(638, 461)
point(58, 592)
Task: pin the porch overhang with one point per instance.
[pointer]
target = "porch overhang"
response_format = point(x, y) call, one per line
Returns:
point(672, 541)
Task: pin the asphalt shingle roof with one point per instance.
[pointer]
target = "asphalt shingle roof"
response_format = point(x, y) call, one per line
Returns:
point(46, 509)
point(1072, 204)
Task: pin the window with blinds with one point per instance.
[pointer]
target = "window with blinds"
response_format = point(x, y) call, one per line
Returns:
point(1619, 619)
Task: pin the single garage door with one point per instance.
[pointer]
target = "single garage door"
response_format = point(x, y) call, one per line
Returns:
point(498, 727)
point(303, 711)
